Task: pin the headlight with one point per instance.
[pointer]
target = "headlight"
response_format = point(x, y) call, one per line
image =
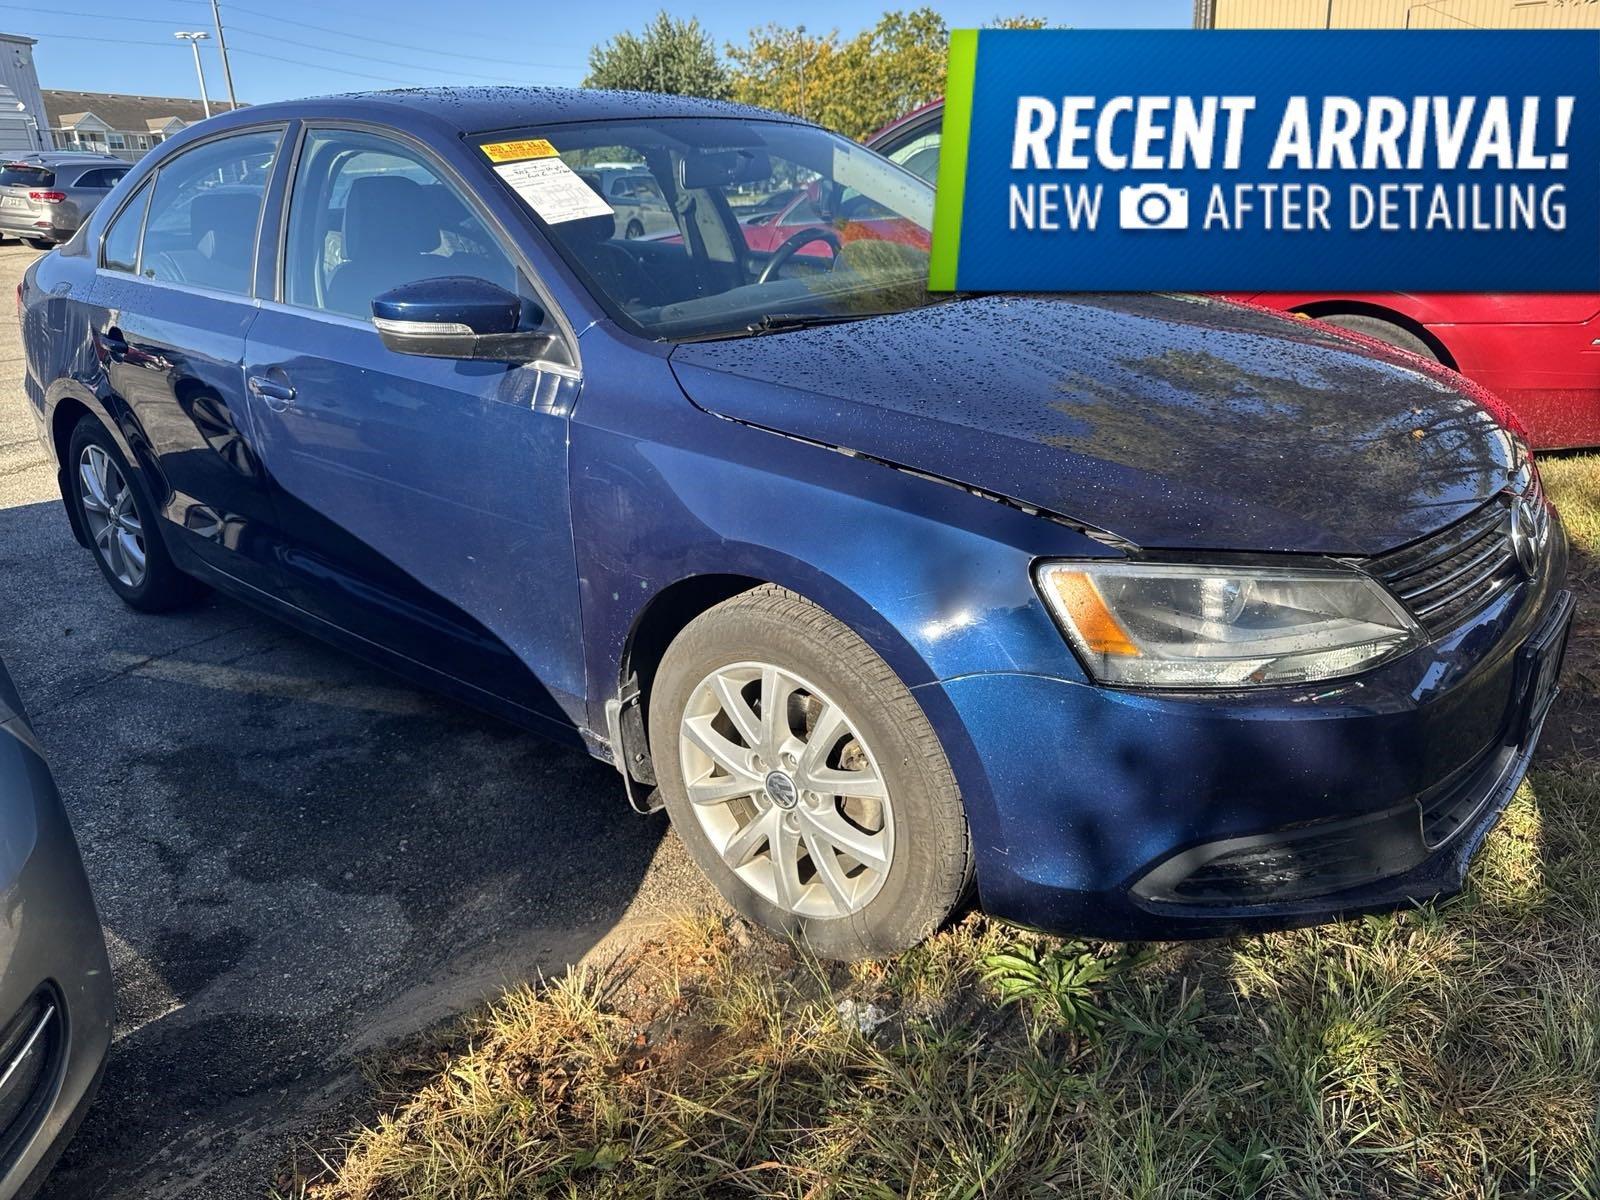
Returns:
point(1155, 625)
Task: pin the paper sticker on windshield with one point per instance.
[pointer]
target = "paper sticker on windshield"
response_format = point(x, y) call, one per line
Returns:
point(553, 190)
point(515, 151)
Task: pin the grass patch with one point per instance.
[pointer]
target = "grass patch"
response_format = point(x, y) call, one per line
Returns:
point(1452, 1050)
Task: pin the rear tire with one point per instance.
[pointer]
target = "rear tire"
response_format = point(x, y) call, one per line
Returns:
point(1383, 331)
point(871, 739)
point(121, 522)
point(41, 243)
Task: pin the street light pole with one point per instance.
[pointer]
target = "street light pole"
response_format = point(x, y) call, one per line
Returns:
point(800, 36)
point(222, 49)
point(194, 39)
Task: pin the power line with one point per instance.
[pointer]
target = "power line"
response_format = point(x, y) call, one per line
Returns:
point(256, 12)
point(321, 67)
point(95, 16)
point(388, 62)
point(82, 37)
point(67, 12)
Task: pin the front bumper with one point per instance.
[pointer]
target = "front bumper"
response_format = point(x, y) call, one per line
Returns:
point(1090, 807)
point(55, 980)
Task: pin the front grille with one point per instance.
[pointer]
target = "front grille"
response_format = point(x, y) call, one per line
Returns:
point(1450, 575)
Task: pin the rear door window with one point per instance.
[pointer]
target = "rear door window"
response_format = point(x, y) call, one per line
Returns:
point(103, 178)
point(205, 211)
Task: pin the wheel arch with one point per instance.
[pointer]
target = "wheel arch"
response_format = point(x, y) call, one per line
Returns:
point(69, 403)
point(1318, 309)
point(672, 607)
point(64, 418)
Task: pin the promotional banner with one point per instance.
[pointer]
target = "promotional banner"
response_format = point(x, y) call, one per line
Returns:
point(1270, 161)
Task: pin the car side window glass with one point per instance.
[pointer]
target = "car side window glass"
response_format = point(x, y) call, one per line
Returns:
point(920, 156)
point(121, 247)
point(205, 210)
point(367, 214)
point(104, 178)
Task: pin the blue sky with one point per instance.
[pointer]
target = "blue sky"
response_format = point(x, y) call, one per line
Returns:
point(286, 48)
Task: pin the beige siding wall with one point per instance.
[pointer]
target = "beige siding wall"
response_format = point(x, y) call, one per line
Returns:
point(1395, 14)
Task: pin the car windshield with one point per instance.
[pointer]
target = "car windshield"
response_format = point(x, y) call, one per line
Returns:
point(758, 225)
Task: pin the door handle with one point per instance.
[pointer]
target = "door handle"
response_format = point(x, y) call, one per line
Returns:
point(277, 395)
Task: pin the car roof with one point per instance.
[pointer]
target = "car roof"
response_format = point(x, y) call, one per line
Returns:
point(59, 158)
point(915, 116)
point(477, 110)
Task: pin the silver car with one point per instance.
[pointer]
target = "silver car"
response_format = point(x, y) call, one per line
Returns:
point(45, 195)
point(636, 198)
point(55, 982)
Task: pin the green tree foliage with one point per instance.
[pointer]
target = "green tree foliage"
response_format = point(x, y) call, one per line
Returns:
point(669, 56)
point(854, 85)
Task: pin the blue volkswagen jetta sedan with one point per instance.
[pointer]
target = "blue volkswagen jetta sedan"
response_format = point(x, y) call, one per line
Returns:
point(1153, 615)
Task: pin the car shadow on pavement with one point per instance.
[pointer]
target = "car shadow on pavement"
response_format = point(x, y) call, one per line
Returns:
point(298, 858)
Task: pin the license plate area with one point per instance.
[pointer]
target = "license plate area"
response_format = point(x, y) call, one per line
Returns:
point(13, 202)
point(1541, 663)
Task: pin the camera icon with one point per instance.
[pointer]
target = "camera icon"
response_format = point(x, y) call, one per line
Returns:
point(1154, 206)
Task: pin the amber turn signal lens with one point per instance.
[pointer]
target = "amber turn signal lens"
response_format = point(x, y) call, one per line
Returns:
point(1080, 600)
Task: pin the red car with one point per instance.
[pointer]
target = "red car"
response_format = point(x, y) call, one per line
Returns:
point(1539, 353)
point(786, 215)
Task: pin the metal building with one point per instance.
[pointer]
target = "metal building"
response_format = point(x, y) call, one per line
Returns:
point(23, 125)
point(1397, 14)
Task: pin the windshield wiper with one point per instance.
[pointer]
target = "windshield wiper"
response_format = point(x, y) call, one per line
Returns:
point(782, 322)
point(778, 322)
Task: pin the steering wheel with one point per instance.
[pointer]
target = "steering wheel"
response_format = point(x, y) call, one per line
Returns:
point(792, 244)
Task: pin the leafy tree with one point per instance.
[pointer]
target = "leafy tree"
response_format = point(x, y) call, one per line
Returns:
point(857, 85)
point(669, 56)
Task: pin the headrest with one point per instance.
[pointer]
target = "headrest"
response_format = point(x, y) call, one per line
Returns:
point(387, 214)
point(223, 224)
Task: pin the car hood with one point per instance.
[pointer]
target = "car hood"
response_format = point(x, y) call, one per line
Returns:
point(1170, 421)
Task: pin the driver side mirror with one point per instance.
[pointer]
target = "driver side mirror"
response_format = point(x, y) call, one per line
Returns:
point(460, 316)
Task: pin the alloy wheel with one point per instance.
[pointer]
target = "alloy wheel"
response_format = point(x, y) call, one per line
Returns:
point(112, 519)
point(787, 790)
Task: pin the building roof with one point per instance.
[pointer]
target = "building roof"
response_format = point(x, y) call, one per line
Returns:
point(19, 38)
point(123, 112)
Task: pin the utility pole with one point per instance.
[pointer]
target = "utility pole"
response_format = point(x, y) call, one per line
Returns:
point(222, 48)
point(194, 39)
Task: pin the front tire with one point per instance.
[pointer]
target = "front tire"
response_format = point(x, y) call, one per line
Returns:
point(121, 523)
point(805, 779)
point(634, 231)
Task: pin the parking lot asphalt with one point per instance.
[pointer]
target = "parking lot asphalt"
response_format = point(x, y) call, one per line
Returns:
point(298, 858)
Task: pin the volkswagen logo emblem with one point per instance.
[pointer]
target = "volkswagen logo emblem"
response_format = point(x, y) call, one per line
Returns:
point(1528, 531)
point(781, 790)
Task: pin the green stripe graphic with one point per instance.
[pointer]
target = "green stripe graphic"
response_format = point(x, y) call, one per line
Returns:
point(953, 160)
